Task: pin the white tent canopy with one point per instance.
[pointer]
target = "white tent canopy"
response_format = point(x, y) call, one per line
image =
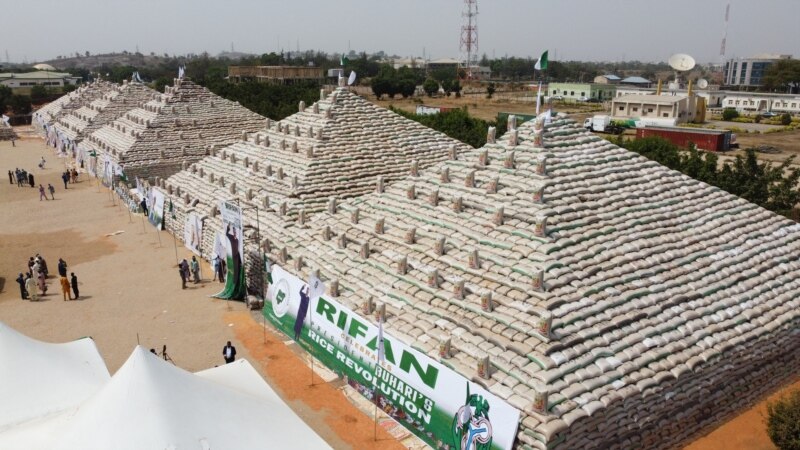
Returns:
point(38, 378)
point(151, 404)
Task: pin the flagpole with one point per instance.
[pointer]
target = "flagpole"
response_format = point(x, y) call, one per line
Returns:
point(375, 377)
point(311, 328)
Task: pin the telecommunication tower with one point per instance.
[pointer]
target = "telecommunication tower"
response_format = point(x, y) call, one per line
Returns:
point(469, 36)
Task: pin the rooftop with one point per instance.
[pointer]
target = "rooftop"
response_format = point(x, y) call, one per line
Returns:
point(649, 98)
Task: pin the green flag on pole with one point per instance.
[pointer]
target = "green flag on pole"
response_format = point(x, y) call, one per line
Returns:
point(541, 64)
point(343, 60)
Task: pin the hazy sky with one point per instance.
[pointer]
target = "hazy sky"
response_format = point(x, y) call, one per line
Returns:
point(647, 30)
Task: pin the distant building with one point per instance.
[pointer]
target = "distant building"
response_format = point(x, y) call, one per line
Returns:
point(607, 79)
point(275, 74)
point(713, 96)
point(749, 71)
point(636, 81)
point(41, 78)
point(677, 108)
point(448, 64)
point(582, 91)
point(417, 63)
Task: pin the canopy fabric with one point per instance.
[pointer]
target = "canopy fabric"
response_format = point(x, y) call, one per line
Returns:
point(152, 404)
point(38, 379)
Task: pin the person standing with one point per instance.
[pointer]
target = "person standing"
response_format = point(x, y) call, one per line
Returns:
point(65, 288)
point(41, 193)
point(43, 265)
point(62, 267)
point(74, 282)
point(229, 353)
point(22, 292)
point(143, 204)
point(30, 286)
point(52, 191)
point(195, 267)
point(41, 163)
point(42, 285)
point(65, 178)
point(220, 268)
point(182, 273)
point(30, 180)
point(10, 177)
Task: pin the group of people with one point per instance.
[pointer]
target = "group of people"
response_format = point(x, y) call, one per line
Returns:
point(189, 269)
point(69, 176)
point(34, 281)
point(21, 177)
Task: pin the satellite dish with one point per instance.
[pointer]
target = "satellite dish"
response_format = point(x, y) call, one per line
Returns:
point(681, 62)
point(702, 83)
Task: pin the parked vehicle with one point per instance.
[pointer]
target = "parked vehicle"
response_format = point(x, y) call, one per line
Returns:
point(602, 124)
point(768, 114)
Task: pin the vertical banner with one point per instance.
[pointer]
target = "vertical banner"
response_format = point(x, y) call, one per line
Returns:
point(155, 202)
point(431, 400)
point(192, 232)
point(235, 287)
point(108, 171)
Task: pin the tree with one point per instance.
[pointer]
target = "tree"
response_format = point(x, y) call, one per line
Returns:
point(20, 104)
point(5, 97)
point(38, 94)
point(786, 119)
point(67, 88)
point(490, 89)
point(783, 75)
point(729, 114)
point(407, 87)
point(783, 421)
point(456, 87)
point(430, 86)
point(447, 86)
point(458, 124)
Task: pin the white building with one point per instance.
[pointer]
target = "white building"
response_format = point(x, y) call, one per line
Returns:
point(713, 96)
point(42, 78)
point(755, 102)
point(679, 108)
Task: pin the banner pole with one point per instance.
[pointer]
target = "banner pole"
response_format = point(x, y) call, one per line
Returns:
point(311, 328)
point(174, 241)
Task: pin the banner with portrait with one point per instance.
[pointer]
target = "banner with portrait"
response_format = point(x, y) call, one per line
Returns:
point(193, 232)
point(233, 239)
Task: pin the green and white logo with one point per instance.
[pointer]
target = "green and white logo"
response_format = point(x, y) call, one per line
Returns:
point(281, 298)
point(472, 429)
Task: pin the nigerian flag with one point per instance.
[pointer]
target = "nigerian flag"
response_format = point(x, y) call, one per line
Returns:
point(541, 64)
point(343, 60)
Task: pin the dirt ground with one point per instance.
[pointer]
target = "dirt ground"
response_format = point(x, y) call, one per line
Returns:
point(131, 292)
point(486, 109)
point(745, 431)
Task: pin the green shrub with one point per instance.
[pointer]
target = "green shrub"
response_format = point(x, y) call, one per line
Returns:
point(786, 119)
point(783, 421)
point(729, 114)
